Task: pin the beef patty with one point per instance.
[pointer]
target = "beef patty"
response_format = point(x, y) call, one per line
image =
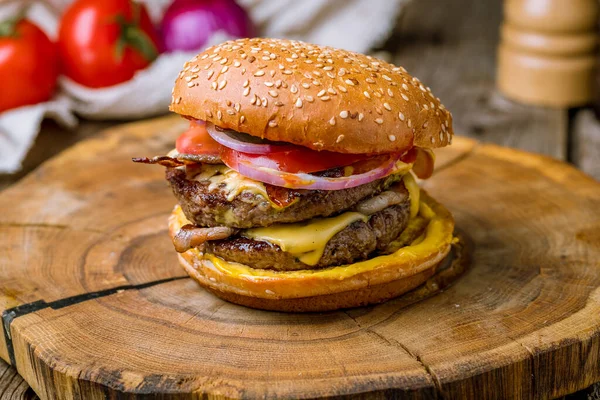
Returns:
point(356, 242)
point(208, 206)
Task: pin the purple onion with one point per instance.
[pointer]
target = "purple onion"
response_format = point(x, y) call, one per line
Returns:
point(188, 24)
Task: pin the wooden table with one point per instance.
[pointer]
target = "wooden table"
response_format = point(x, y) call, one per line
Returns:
point(451, 46)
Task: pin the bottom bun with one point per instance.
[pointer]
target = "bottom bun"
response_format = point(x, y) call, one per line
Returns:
point(366, 282)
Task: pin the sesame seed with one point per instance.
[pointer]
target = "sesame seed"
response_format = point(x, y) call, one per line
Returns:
point(377, 94)
point(222, 84)
point(269, 84)
point(443, 127)
point(332, 121)
point(409, 123)
point(223, 61)
point(209, 113)
point(339, 138)
point(401, 116)
point(195, 69)
point(294, 89)
point(317, 73)
point(236, 63)
point(425, 106)
point(316, 83)
point(360, 116)
point(342, 71)
point(259, 73)
point(378, 110)
point(441, 136)
point(246, 91)
point(342, 89)
point(219, 115)
point(344, 114)
point(178, 100)
point(278, 104)
point(237, 107)
point(273, 123)
point(272, 73)
point(327, 68)
point(246, 83)
point(367, 95)
point(210, 74)
point(299, 103)
point(432, 105)
point(425, 124)
point(265, 58)
point(387, 106)
point(432, 139)
point(351, 82)
point(379, 121)
point(191, 84)
point(264, 101)
point(390, 93)
point(331, 74)
point(230, 112)
point(188, 78)
point(392, 138)
point(310, 99)
point(273, 93)
point(287, 72)
point(405, 97)
point(278, 83)
point(331, 91)
point(306, 85)
point(387, 78)
point(321, 93)
point(370, 80)
point(404, 86)
point(325, 98)
point(272, 56)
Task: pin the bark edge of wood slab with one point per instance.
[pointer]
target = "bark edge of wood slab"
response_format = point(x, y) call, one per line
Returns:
point(95, 305)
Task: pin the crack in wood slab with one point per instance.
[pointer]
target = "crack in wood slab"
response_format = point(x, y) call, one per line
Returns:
point(395, 343)
point(9, 315)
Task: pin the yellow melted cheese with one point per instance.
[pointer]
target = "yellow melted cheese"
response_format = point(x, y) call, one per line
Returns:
point(305, 240)
point(414, 193)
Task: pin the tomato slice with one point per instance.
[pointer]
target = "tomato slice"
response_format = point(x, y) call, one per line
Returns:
point(196, 140)
point(294, 161)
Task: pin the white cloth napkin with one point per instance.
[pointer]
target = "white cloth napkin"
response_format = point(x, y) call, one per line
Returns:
point(356, 25)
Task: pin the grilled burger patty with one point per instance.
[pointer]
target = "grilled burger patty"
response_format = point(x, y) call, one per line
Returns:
point(354, 243)
point(207, 206)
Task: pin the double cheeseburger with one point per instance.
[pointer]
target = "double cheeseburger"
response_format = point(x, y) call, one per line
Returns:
point(295, 181)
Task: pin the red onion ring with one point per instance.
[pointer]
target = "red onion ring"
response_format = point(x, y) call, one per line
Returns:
point(243, 142)
point(307, 181)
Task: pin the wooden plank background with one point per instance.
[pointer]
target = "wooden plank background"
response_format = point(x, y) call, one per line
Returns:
point(451, 46)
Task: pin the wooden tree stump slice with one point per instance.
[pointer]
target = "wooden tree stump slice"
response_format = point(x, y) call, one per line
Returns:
point(95, 305)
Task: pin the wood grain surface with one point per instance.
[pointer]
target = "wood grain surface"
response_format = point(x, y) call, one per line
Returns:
point(96, 304)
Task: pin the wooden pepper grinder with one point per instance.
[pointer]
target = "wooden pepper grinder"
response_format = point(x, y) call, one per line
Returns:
point(547, 53)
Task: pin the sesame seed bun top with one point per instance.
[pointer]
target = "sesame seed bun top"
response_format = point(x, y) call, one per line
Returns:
point(315, 96)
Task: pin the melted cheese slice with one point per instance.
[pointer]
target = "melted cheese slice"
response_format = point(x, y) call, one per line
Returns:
point(305, 240)
point(414, 193)
point(221, 177)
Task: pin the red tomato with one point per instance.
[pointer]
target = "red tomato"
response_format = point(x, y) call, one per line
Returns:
point(104, 42)
point(28, 65)
point(300, 159)
point(196, 140)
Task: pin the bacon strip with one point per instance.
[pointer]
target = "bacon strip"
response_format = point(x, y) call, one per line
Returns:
point(179, 160)
point(190, 236)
